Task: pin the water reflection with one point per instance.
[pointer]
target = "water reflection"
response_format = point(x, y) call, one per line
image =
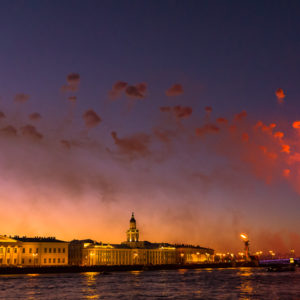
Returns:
point(90, 290)
point(246, 287)
point(31, 286)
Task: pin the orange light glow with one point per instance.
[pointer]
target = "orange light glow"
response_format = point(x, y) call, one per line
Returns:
point(285, 149)
point(286, 172)
point(296, 125)
point(279, 134)
point(244, 237)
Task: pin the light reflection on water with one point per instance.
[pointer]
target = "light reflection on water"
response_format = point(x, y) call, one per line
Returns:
point(239, 283)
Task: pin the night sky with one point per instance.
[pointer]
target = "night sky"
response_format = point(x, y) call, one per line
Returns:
point(181, 111)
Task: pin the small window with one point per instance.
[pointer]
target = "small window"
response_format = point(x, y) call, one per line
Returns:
point(63, 260)
point(8, 250)
point(49, 260)
point(45, 260)
point(23, 261)
point(29, 260)
point(45, 250)
point(58, 250)
point(23, 250)
point(58, 260)
point(64, 250)
point(1, 260)
point(54, 250)
point(15, 261)
point(37, 250)
point(16, 250)
point(50, 250)
point(8, 261)
point(54, 260)
point(30, 250)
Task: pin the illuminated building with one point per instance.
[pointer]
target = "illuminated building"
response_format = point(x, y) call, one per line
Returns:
point(134, 252)
point(37, 251)
point(132, 232)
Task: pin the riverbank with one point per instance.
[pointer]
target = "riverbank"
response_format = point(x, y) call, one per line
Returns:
point(108, 269)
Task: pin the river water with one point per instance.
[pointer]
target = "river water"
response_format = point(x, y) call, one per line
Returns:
point(234, 283)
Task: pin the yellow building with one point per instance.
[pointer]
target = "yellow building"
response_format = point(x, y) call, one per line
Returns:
point(135, 252)
point(33, 252)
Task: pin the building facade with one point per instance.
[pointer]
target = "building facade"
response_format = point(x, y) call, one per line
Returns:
point(135, 252)
point(24, 251)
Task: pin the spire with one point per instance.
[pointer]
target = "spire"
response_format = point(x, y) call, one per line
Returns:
point(132, 220)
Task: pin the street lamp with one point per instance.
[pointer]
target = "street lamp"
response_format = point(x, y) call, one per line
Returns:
point(246, 241)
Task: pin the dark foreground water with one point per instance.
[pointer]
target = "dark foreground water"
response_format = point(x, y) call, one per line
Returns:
point(235, 283)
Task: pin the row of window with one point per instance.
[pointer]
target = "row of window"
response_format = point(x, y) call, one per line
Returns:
point(59, 250)
point(46, 250)
point(30, 261)
point(15, 250)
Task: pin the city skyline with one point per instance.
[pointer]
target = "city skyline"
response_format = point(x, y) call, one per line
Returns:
point(185, 114)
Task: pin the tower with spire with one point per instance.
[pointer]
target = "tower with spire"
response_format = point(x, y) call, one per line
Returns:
point(132, 232)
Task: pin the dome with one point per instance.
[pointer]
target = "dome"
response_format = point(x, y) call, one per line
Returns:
point(132, 220)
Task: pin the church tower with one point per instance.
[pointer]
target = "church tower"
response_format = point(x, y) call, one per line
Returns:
point(132, 232)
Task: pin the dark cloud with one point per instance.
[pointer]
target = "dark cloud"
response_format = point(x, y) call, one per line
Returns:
point(136, 91)
point(180, 112)
point(208, 128)
point(9, 131)
point(240, 116)
point(73, 79)
point(35, 116)
point(175, 90)
point(2, 115)
point(31, 132)
point(208, 109)
point(222, 120)
point(117, 89)
point(91, 118)
point(21, 98)
point(133, 146)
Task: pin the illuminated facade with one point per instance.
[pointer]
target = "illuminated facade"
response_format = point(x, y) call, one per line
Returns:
point(134, 252)
point(32, 252)
point(189, 254)
point(132, 232)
